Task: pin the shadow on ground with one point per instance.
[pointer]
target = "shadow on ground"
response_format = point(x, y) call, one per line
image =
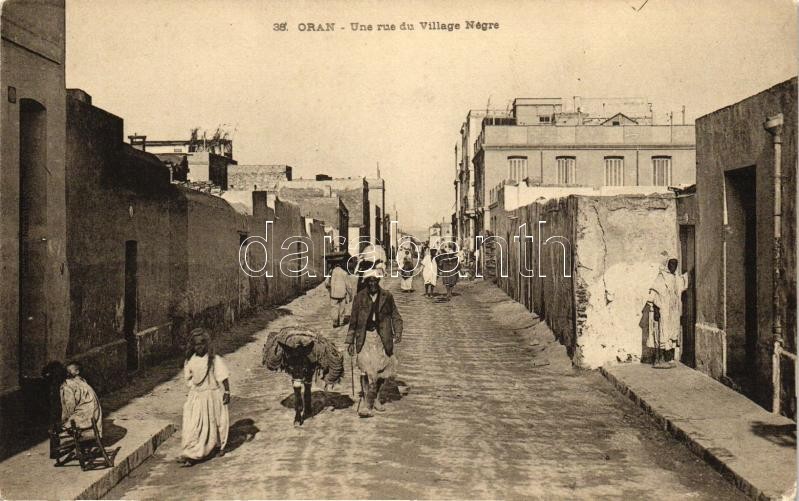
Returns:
point(112, 433)
point(780, 434)
point(243, 430)
point(321, 400)
point(393, 390)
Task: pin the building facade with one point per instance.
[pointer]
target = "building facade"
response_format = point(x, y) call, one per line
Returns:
point(541, 144)
point(330, 210)
point(745, 238)
point(257, 177)
point(354, 192)
point(34, 295)
point(377, 208)
point(206, 161)
point(467, 210)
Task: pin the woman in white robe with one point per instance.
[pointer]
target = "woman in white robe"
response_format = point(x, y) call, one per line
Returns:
point(406, 269)
point(429, 273)
point(205, 414)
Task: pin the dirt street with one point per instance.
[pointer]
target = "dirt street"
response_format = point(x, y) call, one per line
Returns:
point(494, 411)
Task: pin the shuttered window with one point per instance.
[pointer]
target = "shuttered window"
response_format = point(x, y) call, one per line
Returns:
point(661, 171)
point(517, 168)
point(567, 170)
point(614, 171)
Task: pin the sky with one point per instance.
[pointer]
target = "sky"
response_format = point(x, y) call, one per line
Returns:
point(341, 102)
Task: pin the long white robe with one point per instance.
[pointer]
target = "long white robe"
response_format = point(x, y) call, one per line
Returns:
point(430, 272)
point(666, 294)
point(205, 418)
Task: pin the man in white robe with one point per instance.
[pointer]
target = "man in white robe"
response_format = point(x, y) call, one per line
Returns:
point(665, 298)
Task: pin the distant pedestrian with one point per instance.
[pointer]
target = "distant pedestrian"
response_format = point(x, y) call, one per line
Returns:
point(448, 268)
point(406, 269)
point(339, 289)
point(205, 414)
point(375, 326)
point(665, 299)
point(429, 273)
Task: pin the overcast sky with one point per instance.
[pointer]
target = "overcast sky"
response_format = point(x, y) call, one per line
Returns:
point(340, 102)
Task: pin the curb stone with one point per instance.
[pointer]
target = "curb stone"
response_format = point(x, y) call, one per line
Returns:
point(716, 457)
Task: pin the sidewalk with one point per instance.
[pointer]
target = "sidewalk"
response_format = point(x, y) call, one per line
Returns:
point(143, 415)
point(753, 448)
point(31, 475)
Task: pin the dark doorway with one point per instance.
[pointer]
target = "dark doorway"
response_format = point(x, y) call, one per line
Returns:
point(131, 300)
point(741, 239)
point(688, 319)
point(32, 238)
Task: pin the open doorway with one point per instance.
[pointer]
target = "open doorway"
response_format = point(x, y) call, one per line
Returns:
point(32, 238)
point(741, 239)
point(688, 319)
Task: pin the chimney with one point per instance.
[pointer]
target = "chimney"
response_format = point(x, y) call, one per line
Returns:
point(288, 173)
point(138, 142)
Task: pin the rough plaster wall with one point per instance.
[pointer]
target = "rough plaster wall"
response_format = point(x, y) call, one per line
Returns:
point(620, 243)
point(710, 350)
point(732, 138)
point(212, 291)
point(247, 177)
point(549, 292)
point(101, 216)
point(33, 78)
point(288, 224)
point(556, 289)
point(188, 270)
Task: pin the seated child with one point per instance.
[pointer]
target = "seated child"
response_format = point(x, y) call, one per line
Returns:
point(79, 402)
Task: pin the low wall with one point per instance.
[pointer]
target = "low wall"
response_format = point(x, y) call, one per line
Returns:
point(620, 244)
point(611, 247)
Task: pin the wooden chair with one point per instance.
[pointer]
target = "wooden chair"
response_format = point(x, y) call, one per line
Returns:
point(83, 444)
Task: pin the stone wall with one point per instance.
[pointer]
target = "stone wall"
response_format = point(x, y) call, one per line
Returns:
point(32, 85)
point(620, 243)
point(256, 177)
point(730, 141)
point(187, 255)
point(611, 248)
point(114, 196)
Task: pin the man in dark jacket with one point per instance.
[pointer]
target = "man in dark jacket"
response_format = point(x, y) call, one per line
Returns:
point(375, 325)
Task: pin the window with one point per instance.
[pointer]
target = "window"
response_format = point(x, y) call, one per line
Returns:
point(544, 120)
point(567, 170)
point(661, 171)
point(614, 171)
point(616, 123)
point(517, 168)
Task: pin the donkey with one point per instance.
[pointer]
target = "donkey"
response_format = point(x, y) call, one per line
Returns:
point(301, 369)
